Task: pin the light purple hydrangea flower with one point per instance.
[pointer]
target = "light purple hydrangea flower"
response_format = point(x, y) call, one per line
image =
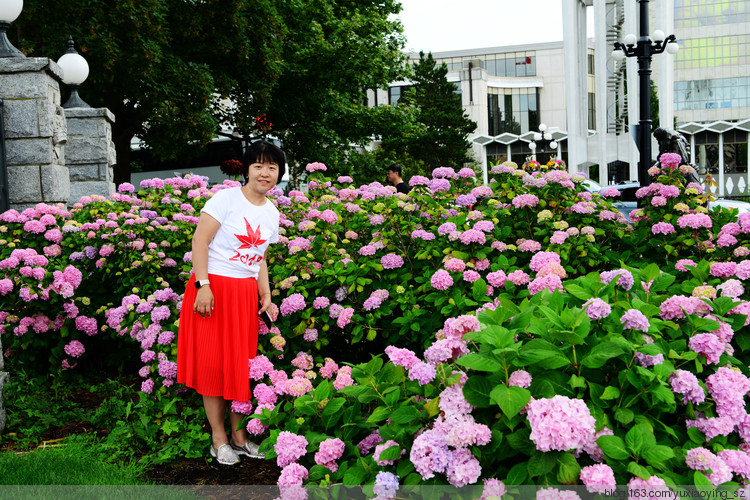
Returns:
point(597, 309)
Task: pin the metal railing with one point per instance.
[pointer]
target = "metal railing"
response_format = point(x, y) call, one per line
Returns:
point(4, 198)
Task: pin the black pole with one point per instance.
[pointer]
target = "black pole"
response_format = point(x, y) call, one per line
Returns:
point(4, 195)
point(6, 48)
point(644, 50)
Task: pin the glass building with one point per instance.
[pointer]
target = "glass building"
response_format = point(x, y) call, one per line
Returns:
point(712, 85)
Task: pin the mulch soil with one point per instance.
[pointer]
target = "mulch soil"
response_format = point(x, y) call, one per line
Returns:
point(199, 471)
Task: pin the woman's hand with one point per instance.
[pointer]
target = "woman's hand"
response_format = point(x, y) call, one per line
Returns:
point(265, 302)
point(204, 301)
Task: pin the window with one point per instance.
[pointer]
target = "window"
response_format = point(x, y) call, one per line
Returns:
point(512, 110)
point(712, 94)
point(694, 13)
point(396, 93)
point(711, 52)
point(592, 111)
point(507, 64)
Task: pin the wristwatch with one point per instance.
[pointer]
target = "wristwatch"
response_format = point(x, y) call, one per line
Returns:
point(200, 283)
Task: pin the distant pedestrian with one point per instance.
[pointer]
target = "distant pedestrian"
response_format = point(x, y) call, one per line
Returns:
point(394, 177)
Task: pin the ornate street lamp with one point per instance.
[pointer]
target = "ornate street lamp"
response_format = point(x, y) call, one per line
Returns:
point(9, 12)
point(541, 140)
point(643, 48)
point(75, 71)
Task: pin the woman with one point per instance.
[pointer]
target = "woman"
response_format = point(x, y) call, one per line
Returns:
point(229, 288)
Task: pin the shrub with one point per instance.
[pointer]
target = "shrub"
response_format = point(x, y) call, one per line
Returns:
point(573, 316)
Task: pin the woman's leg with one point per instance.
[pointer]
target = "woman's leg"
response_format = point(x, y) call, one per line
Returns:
point(239, 437)
point(216, 408)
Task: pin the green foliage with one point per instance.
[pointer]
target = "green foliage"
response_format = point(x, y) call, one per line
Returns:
point(77, 460)
point(348, 246)
point(438, 137)
point(165, 68)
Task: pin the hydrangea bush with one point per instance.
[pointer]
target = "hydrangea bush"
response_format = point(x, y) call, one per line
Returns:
point(530, 337)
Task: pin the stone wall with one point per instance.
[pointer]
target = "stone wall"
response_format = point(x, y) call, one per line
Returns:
point(90, 152)
point(35, 132)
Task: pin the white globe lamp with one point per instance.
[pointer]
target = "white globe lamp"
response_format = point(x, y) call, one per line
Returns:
point(9, 12)
point(75, 71)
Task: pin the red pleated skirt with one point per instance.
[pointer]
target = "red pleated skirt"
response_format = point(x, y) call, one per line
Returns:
point(213, 353)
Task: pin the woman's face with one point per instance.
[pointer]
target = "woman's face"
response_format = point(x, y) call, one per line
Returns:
point(262, 176)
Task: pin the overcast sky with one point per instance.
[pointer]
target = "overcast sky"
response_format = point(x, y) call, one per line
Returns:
point(440, 25)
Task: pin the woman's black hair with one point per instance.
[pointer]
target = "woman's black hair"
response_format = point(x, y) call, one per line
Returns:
point(264, 152)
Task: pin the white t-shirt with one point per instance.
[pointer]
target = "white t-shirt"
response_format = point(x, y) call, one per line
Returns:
point(245, 233)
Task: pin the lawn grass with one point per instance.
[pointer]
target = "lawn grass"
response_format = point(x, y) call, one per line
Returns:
point(75, 461)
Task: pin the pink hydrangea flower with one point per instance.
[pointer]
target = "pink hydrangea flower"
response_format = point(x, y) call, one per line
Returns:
point(635, 320)
point(471, 276)
point(401, 357)
point(702, 459)
point(723, 269)
point(289, 448)
point(292, 304)
point(738, 461)
point(560, 423)
point(455, 265)
point(392, 261)
point(343, 378)
point(520, 378)
point(292, 475)
point(525, 200)
point(686, 384)
point(708, 345)
point(598, 478)
point(329, 368)
point(497, 278)
point(540, 259)
point(550, 282)
point(441, 280)
point(330, 450)
point(74, 349)
point(473, 236)
point(662, 228)
point(422, 372)
point(518, 277)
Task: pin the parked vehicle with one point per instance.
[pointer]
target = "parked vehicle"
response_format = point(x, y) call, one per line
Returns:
point(627, 202)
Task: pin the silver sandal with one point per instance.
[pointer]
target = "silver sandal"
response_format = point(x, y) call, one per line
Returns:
point(249, 449)
point(225, 455)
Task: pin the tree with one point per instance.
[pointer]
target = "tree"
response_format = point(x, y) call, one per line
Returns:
point(440, 136)
point(168, 68)
point(333, 52)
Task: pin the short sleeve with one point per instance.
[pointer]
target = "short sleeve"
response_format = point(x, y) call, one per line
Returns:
point(216, 206)
point(275, 235)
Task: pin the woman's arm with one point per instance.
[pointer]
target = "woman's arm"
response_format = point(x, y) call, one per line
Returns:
point(264, 288)
point(204, 234)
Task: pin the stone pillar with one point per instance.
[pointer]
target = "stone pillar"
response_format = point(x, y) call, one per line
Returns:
point(90, 152)
point(35, 131)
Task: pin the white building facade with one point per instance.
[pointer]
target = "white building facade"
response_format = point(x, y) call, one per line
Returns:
point(588, 101)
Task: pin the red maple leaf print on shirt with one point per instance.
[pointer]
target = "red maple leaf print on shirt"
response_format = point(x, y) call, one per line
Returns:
point(252, 240)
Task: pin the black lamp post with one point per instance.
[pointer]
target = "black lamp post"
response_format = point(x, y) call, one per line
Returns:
point(9, 11)
point(643, 49)
point(541, 140)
